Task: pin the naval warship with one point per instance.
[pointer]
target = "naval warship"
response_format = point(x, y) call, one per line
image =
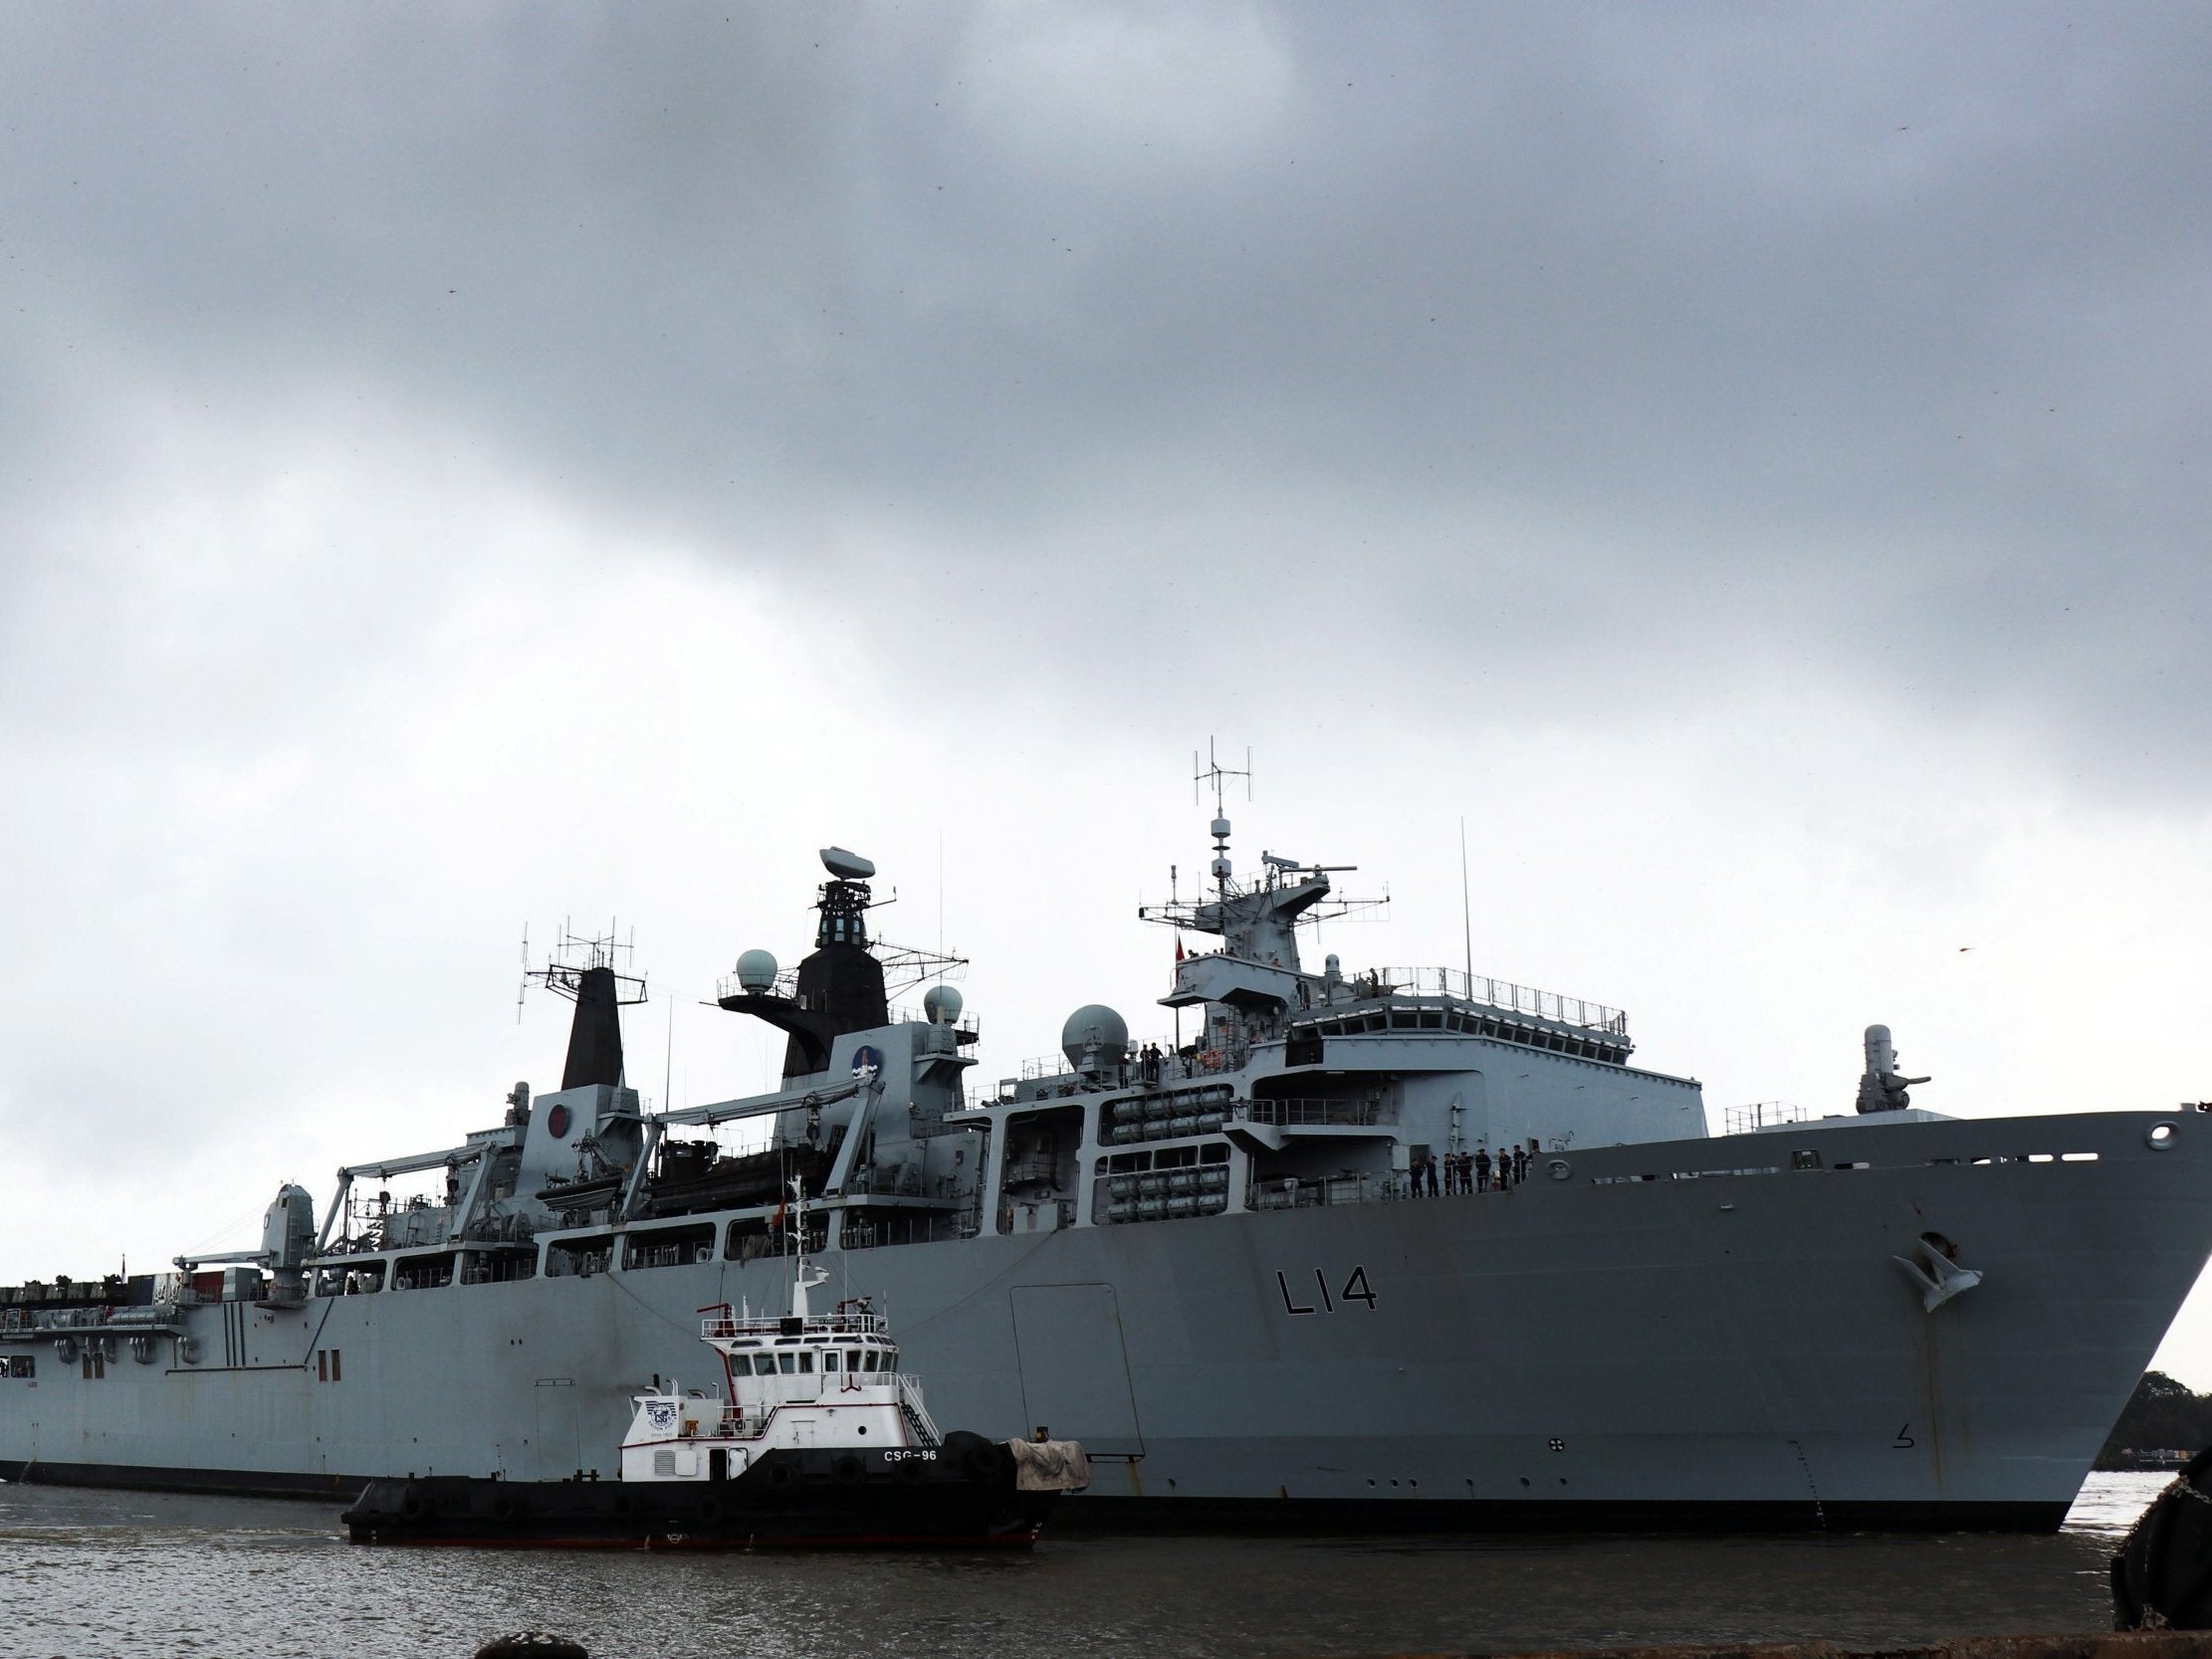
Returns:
point(1224, 1261)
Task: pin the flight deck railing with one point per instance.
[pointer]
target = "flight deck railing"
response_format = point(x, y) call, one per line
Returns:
point(1494, 993)
point(1743, 1119)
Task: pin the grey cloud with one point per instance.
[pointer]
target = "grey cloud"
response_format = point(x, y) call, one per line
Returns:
point(1879, 332)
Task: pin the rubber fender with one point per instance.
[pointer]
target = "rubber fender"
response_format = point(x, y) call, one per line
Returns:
point(2162, 1574)
point(960, 1442)
point(992, 1458)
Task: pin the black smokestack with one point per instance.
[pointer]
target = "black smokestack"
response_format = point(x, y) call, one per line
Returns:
point(595, 1034)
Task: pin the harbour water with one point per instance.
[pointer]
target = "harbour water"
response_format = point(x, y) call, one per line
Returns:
point(99, 1574)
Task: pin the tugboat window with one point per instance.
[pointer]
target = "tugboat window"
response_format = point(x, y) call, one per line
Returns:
point(806, 1365)
point(830, 1360)
point(852, 1359)
point(788, 1364)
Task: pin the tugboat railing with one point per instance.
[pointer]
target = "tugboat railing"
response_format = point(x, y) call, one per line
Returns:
point(915, 1412)
point(721, 1321)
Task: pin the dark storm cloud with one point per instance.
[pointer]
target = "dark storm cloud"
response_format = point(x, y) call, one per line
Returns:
point(1566, 345)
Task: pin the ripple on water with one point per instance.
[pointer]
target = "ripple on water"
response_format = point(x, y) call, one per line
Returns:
point(156, 1575)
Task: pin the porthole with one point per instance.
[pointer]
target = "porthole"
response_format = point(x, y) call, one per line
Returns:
point(1559, 1169)
point(2163, 1137)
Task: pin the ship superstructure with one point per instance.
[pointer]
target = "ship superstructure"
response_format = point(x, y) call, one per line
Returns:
point(813, 1438)
point(1410, 1247)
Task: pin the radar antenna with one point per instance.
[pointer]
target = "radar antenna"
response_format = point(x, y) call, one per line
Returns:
point(1216, 774)
point(1293, 891)
point(577, 955)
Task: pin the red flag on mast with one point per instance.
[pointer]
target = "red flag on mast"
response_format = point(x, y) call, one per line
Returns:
point(1178, 947)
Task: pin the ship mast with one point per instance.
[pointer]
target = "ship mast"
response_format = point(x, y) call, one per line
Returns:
point(804, 1275)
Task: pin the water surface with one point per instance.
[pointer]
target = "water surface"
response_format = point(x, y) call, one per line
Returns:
point(105, 1573)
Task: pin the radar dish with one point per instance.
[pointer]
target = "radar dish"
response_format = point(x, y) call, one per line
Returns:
point(756, 971)
point(848, 867)
point(941, 1005)
point(1094, 1032)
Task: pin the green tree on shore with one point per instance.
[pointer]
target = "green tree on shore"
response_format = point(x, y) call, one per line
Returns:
point(2162, 1415)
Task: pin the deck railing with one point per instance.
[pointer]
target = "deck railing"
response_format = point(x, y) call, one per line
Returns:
point(1319, 1111)
point(916, 1413)
point(1496, 993)
point(1742, 1120)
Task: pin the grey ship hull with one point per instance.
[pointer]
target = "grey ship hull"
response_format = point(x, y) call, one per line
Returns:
point(1688, 1334)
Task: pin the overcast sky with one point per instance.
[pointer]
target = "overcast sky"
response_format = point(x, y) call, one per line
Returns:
point(476, 465)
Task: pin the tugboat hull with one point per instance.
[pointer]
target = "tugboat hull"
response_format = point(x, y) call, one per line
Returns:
point(899, 1499)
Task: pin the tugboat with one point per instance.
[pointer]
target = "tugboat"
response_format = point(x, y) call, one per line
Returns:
point(817, 1440)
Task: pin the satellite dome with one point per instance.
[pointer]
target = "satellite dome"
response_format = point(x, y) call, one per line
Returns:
point(756, 971)
point(941, 1005)
point(1094, 1028)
